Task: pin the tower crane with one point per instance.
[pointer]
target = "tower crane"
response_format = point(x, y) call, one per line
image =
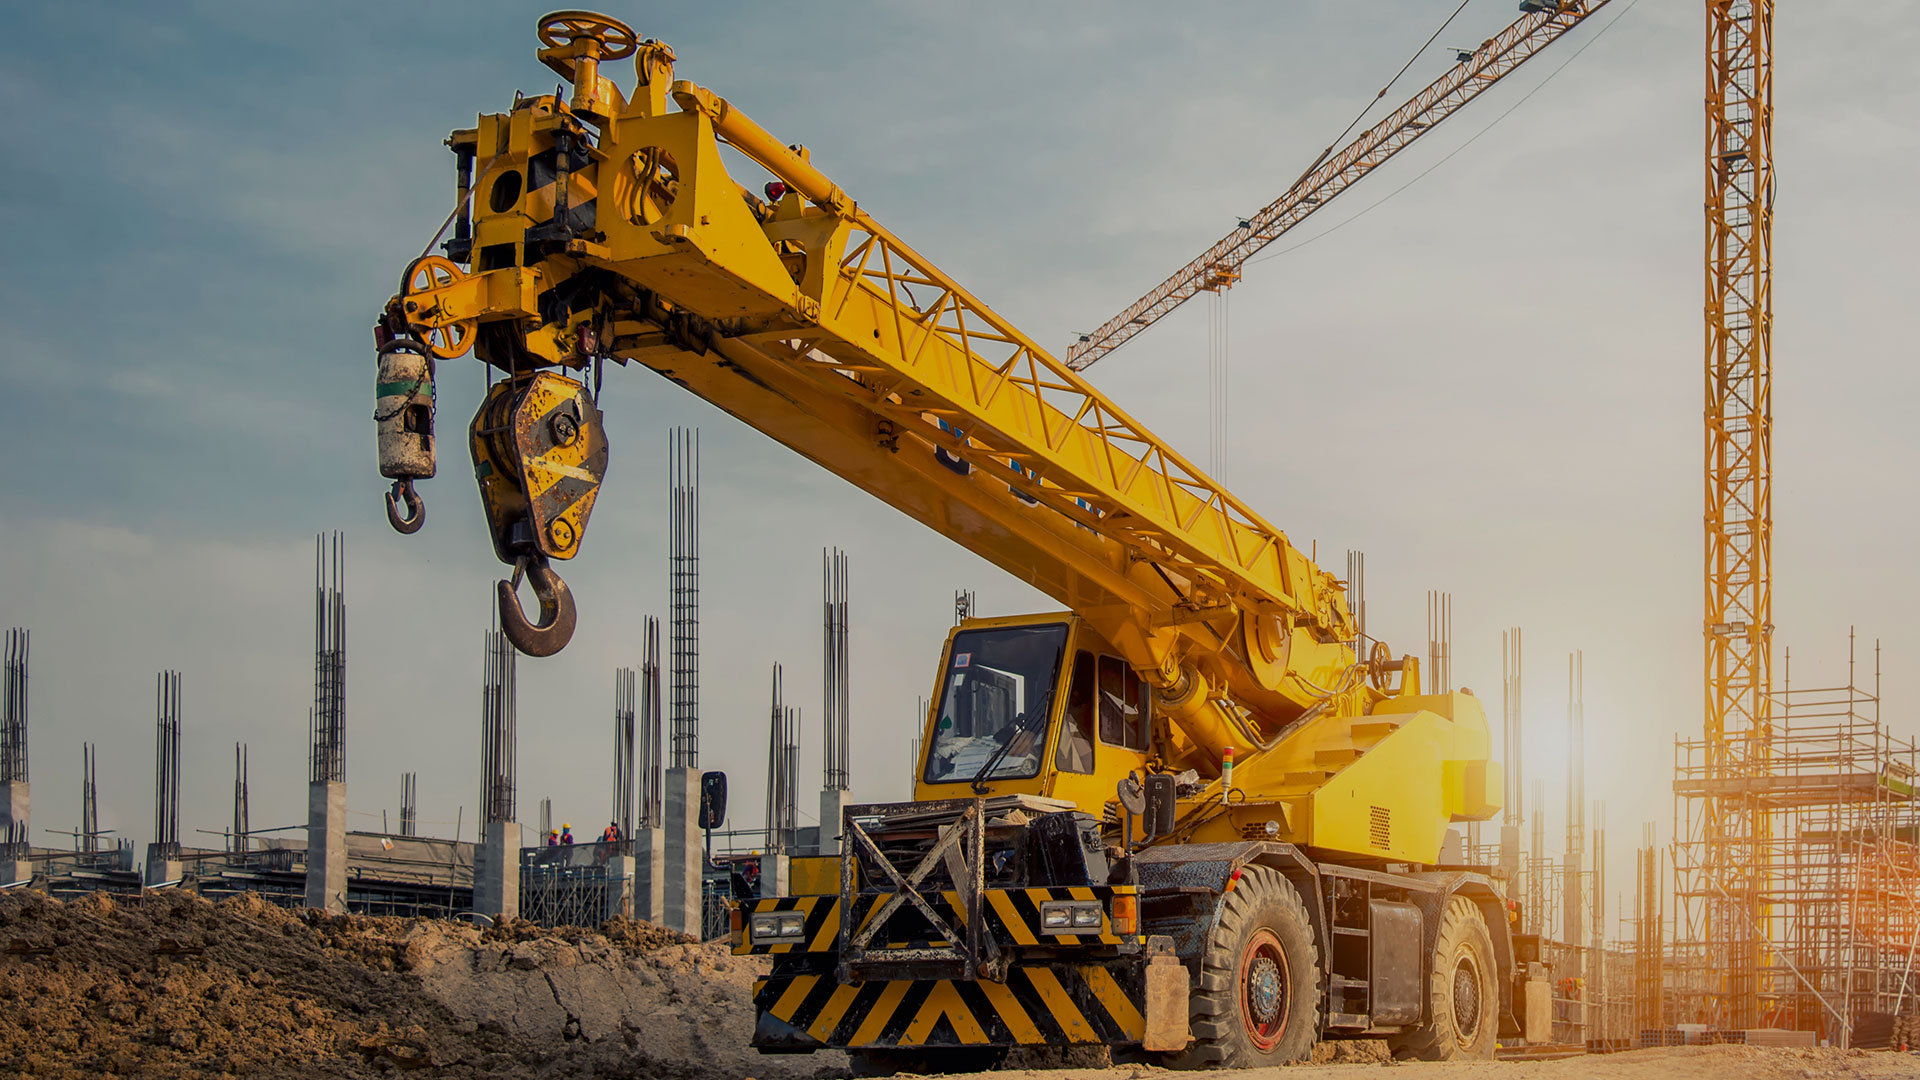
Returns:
point(1181, 816)
point(1541, 23)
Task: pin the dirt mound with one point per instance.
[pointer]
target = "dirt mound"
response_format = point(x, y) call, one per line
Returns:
point(168, 985)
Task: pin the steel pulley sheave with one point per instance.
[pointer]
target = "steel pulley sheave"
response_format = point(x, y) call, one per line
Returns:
point(424, 275)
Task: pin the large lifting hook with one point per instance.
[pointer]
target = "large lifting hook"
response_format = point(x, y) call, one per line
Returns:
point(557, 613)
point(400, 494)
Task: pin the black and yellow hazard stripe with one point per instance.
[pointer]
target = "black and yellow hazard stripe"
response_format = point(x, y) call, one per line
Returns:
point(582, 186)
point(1012, 918)
point(1038, 1005)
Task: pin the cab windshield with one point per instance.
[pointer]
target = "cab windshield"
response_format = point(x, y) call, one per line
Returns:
point(997, 690)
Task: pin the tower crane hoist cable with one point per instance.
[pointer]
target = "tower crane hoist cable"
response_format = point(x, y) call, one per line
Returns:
point(1541, 23)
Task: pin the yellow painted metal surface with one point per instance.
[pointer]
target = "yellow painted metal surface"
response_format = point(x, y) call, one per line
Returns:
point(804, 317)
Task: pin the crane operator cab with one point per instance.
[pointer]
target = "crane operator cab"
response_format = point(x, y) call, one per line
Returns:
point(1036, 705)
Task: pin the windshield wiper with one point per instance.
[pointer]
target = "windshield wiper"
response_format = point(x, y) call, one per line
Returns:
point(1013, 731)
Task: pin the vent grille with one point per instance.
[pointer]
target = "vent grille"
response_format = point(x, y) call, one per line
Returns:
point(1379, 826)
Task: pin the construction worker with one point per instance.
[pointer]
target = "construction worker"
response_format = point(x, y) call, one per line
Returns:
point(610, 834)
point(553, 837)
point(566, 834)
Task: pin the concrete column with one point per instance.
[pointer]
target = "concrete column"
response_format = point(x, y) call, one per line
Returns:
point(496, 871)
point(776, 874)
point(650, 874)
point(685, 855)
point(832, 804)
point(327, 845)
point(620, 882)
point(161, 870)
point(15, 818)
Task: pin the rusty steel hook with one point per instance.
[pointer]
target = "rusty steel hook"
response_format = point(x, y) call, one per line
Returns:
point(416, 515)
point(557, 613)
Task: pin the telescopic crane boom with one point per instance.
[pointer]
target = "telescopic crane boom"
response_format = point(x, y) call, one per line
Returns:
point(1203, 678)
point(1541, 23)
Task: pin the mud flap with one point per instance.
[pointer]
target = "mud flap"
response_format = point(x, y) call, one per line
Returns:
point(772, 1035)
point(1166, 1012)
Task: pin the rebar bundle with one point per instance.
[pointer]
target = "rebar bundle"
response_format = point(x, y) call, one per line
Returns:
point(649, 736)
point(783, 766)
point(683, 474)
point(1357, 599)
point(498, 743)
point(328, 722)
point(13, 709)
point(837, 686)
point(623, 750)
point(166, 802)
point(238, 842)
point(89, 800)
point(1439, 678)
point(409, 804)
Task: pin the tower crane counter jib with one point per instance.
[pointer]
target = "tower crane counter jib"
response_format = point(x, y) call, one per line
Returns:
point(593, 227)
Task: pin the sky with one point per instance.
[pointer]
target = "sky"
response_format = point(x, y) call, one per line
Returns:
point(1482, 366)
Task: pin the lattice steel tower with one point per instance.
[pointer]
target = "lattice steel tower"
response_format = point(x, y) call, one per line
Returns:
point(1738, 626)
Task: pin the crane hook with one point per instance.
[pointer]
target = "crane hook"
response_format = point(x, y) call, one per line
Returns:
point(557, 613)
point(416, 515)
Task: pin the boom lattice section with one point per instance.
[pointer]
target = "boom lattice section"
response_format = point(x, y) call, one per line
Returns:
point(1497, 57)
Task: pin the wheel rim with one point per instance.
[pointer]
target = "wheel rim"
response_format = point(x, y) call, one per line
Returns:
point(1466, 1000)
point(1263, 984)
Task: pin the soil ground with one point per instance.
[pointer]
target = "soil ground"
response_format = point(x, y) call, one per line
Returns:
point(167, 985)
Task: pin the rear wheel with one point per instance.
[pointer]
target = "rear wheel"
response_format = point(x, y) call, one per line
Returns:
point(1259, 996)
point(1461, 992)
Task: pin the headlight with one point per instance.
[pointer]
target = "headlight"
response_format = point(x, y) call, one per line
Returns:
point(1070, 916)
point(778, 925)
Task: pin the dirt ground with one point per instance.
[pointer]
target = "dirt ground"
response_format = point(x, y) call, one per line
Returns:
point(167, 985)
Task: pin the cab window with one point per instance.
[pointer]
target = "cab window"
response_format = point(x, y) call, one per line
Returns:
point(1122, 705)
point(1076, 733)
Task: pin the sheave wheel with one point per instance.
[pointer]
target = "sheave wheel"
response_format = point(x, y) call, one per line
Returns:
point(1259, 996)
point(1461, 993)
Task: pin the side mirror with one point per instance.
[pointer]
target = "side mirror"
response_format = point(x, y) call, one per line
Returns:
point(1160, 798)
point(713, 800)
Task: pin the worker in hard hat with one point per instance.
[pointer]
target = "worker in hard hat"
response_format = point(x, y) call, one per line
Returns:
point(566, 833)
point(553, 837)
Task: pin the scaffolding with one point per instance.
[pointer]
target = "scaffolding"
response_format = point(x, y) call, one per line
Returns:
point(1832, 794)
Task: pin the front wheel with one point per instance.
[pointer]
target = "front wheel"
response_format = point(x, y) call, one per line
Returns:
point(1259, 996)
point(1461, 992)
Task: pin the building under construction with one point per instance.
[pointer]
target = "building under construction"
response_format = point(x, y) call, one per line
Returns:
point(1832, 870)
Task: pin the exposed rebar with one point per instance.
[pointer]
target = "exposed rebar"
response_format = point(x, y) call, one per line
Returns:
point(623, 751)
point(836, 684)
point(650, 761)
point(166, 802)
point(683, 476)
point(13, 709)
point(498, 742)
point(327, 723)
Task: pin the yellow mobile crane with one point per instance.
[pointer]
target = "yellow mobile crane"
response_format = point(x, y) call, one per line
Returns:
point(1182, 817)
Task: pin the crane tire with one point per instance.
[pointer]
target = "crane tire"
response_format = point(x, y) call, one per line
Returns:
point(1462, 995)
point(1258, 1002)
